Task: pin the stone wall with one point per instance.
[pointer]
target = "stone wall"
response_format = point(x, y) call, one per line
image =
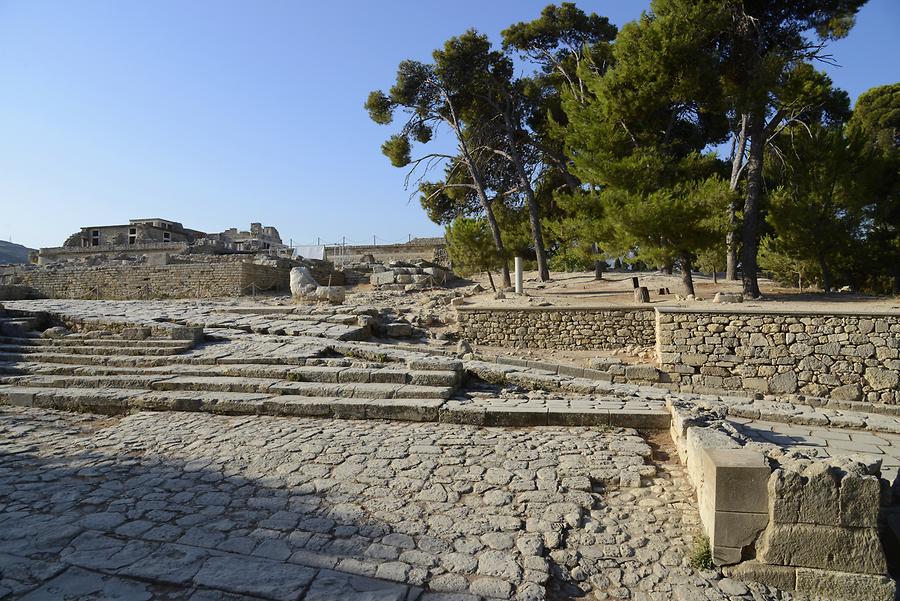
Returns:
point(428, 249)
point(562, 328)
point(849, 357)
point(156, 252)
point(189, 280)
point(799, 524)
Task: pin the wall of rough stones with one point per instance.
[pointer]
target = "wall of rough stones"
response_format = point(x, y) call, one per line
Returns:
point(851, 357)
point(563, 328)
point(189, 280)
point(154, 251)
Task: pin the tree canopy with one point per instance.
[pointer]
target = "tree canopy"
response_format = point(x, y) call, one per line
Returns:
point(577, 142)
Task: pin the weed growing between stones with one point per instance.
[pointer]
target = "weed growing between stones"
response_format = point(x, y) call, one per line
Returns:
point(701, 555)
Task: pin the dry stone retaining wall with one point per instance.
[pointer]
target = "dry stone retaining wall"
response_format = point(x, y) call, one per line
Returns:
point(563, 328)
point(850, 357)
point(189, 280)
point(844, 356)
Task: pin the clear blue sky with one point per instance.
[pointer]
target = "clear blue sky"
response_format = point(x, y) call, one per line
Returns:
point(217, 113)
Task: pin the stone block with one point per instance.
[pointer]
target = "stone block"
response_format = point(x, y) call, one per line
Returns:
point(564, 416)
point(782, 577)
point(849, 392)
point(825, 547)
point(841, 585)
point(860, 498)
point(736, 530)
point(694, 359)
point(385, 277)
point(882, 379)
point(728, 297)
point(810, 498)
point(783, 383)
point(642, 372)
point(650, 419)
point(726, 556)
point(739, 478)
point(756, 384)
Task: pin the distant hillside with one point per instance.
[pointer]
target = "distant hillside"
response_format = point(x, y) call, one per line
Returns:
point(13, 253)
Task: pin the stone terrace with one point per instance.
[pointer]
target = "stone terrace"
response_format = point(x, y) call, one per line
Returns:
point(287, 494)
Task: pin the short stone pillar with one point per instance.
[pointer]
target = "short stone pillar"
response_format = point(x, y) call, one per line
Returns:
point(519, 287)
point(641, 295)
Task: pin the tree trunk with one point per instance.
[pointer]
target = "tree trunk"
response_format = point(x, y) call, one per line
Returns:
point(491, 280)
point(475, 174)
point(534, 216)
point(895, 288)
point(826, 273)
point(750, 230)
point(731, 237)
point(686, 278)
point(667, 268)
point(498, 242)
point(598, 264)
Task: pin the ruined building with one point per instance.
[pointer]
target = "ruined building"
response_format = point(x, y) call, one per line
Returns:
point(155, 239)
point(159, 258)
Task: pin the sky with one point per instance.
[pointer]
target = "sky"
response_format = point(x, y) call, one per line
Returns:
point(218, 113)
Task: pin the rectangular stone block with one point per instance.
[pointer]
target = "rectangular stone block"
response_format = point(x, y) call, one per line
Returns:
point(565, 416)
point(860, 500)
point(738, 479)
point(841, 585)
point(640, 418)
point(825, 547)
point(732, 529)
point(784, 578)
point(811, 498)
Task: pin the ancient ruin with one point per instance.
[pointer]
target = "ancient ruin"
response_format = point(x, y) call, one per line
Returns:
point(645, 346)
point(407, 443)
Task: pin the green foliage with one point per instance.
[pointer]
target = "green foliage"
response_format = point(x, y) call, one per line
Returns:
point(875, 125)
point(471, 247)
point(712, 259)
point(379, 107)
point(876, 117)
point(640, 138)
point(607, 145)
point(397, 149)
point(701, 554)
point(816, 212)
point(669, 223)
point(784, 268)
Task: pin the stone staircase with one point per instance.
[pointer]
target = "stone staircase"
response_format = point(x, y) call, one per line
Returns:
point(15, 324)
point(113, 376)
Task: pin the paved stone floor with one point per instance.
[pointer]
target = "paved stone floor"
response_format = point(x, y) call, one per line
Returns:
point(827, 442)
point(202, 507)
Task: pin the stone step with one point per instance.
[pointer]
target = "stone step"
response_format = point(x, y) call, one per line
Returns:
point(270, 386)
point(70, 359)
point(113, 401)
point(17, 326)
point(118, 401)
point(318, 373)
point(79, 341)
point(108, 349)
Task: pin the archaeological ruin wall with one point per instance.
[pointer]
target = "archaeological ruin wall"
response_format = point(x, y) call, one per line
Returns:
point(846, 356)
point(558, 328)
point(188, 280)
